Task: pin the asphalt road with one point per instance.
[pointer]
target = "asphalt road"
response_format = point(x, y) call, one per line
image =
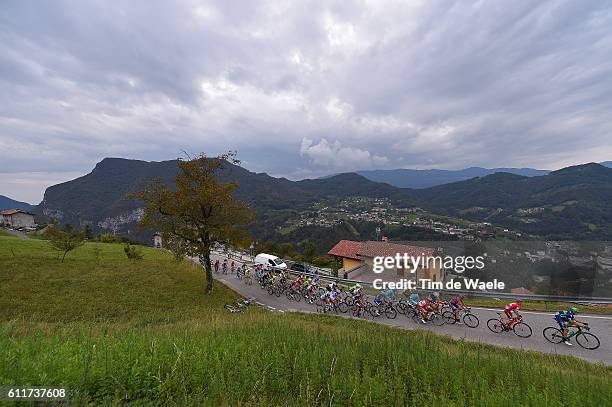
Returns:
point(600, 325)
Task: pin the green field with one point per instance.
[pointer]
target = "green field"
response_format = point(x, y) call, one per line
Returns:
point(116, 331)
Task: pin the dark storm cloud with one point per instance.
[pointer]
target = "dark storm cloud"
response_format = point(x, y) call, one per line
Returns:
point(303, 88)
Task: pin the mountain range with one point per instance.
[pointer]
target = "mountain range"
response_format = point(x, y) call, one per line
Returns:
point(572, 203)
point(411, 178)
point(8, 203)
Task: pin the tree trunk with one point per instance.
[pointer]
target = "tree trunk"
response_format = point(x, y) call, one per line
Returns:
point(205, 262)
point(64, 256)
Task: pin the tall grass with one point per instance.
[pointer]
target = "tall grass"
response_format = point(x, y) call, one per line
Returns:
point(150, 337)
point(272, 359)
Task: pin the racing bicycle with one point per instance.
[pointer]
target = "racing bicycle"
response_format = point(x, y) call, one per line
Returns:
point(583, 338)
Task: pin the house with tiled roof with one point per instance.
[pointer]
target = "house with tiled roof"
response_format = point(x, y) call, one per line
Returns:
point(358, 260)
point(347, 251)
point(16, 218)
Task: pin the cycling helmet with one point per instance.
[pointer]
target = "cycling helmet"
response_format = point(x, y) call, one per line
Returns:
point(574, 310)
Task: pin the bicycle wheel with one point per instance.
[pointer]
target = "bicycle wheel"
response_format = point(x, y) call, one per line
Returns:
point(374, 311)
point(437, 319)
point(449, 317)
point(587, 340)
point(289, 294)
point(349, 301)
point(342, 307)
point(270, 290)
point(410, 312)
point(471, 320)
point(416, 318)
point(390, 312)
point(552, 335)
point(495, 325)
point(522, 330)
point(401, 308)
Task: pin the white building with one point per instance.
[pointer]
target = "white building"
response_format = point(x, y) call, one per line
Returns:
point(17, 218)
point(157, 240)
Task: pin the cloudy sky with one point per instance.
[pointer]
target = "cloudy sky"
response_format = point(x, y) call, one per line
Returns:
point(301, 89)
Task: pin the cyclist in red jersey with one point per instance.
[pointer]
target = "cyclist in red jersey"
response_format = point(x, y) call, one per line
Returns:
point(513, 308)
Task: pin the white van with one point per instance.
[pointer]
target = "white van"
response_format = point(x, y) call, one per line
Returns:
point(269, 261)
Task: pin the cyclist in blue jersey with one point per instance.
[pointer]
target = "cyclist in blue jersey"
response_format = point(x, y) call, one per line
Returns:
point(565, 319)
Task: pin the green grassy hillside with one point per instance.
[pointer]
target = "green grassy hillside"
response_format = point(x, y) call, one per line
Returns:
point(121, 332)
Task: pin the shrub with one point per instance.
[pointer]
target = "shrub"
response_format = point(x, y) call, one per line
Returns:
point(133, 252)
point(65, 240)
point(108, 238)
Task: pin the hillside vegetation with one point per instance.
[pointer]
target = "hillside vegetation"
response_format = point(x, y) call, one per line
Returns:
point(142, 332)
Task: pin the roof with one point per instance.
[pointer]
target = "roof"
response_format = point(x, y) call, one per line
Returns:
point(13, 212)
point(386, 249)
point(347, 249)
point(267, 256)
point(357, 250)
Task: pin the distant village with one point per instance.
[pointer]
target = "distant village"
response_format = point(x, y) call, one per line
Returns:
point(381, 210)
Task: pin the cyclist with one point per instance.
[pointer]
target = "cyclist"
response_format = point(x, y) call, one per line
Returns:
point(424, 308)
point(246, 272)
point(384, 297)
point(330, 294)
point(456, 305)
point(512, 310)
point(566, 319)
point(434, 301)
point(314, 283)
point(217, 266)
point(297, 284)
point(225, 266)
point(306, 283)
point(414, 299)
point(354, 289)
point(359, 299)
point(233, 267)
